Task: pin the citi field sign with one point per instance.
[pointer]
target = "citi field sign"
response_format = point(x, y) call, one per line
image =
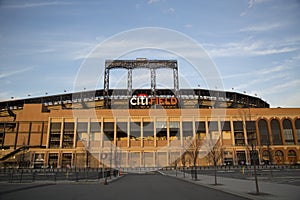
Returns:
point(144, 100)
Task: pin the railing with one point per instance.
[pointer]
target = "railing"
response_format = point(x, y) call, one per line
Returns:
point(35, 175)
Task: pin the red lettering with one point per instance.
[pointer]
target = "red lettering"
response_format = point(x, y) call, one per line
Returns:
point(161, 101)
point(173, 101)
point(167, 102)
point(152, 100)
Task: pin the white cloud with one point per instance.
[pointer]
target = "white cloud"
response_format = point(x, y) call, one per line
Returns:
point(275, 51)
point(260, 28)
point(252, 3)
point(269, 70)
point(250, 47)
point(188, 26)
point(153, 1)
point(13, 72)
point(263, 72)
point(170, 10)
point(243, 14)
point(283, 86)
point(37, 4)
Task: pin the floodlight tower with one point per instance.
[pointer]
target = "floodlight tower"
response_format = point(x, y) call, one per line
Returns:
point(130, 65)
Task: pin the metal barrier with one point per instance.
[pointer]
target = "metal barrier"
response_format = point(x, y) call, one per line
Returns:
point(34, 175)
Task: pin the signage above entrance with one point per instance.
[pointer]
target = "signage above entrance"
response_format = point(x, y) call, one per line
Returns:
point(144, 100)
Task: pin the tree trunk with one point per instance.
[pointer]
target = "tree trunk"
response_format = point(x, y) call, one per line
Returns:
point(216, 182)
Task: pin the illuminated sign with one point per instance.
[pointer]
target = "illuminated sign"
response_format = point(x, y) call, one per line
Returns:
point(144, 100)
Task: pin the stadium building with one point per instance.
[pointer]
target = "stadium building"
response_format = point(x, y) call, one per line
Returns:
point(133, 128)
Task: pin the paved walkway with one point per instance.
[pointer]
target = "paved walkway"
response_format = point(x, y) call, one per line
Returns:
point(130, 187)
point(243, 188)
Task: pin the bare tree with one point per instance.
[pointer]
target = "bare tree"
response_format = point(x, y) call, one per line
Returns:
point(193, 152)
point(215, 154)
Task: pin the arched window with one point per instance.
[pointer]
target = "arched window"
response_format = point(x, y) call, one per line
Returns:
point(279, 159)
point(276, 134)
point(292, 156)
point(288, 132)
point(297, 125)
point(264, 132)
point(266, 157)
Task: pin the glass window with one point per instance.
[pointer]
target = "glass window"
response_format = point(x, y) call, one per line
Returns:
point(292, 157)
point(161, 130)
point(288, 132)
point(95, 127)
point(135, 130)
point(251, 132)
point(238, 126)
point(200, 129)
point(279, 157)
point(264, 132)
point(276, 134)
point(225, 126)
point(121, 130)
point(148, 130)
point(187, 129)
point(174, 129)
point(108, 129)
point(297, 125)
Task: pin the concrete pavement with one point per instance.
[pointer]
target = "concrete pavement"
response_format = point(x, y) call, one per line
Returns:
point(130, 187)
point(242, 188)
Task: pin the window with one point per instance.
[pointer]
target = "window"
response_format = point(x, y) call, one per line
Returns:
point(54, 140)
point(121, 130)
point(161, 130)
point(226, 130)
point(52, 160)
point(266, 157)
point(82, 130)
point(135, 130)
point(148, 130)
point(288, 132)
point(95, 127)
point(264, 132)
point(68, 135)
point(276, 133)
point(213, 130)
point(239, 137)
point(174, 129)
point(279, 159)
point(108, 130)
point(251, 132)
point(292, 156)
point(66, 160)
point(200, 130)
point(187, 130)
point(297, 125)
point(95, 131)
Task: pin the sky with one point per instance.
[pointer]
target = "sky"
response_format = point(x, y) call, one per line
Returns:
point(254, 44)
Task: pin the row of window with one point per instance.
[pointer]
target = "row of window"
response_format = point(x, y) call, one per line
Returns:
point(278, 134)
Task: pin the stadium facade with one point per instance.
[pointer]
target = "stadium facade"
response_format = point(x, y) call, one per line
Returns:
point(132, 128)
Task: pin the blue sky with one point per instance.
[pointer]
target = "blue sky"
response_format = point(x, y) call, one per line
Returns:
point(255, 44)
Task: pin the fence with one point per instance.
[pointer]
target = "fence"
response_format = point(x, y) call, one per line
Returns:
point(34, 175)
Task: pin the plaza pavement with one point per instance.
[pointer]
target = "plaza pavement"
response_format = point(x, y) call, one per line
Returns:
point(242, 187)
point(146, 186)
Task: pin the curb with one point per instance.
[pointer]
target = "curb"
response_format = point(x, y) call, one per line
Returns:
point(115, 179)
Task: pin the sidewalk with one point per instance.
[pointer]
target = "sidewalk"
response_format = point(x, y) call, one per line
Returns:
point(243, 188)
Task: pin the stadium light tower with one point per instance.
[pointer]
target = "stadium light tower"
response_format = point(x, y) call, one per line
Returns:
point(139, 63)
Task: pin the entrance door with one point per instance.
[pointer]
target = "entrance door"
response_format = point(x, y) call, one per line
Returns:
point(241, 157)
